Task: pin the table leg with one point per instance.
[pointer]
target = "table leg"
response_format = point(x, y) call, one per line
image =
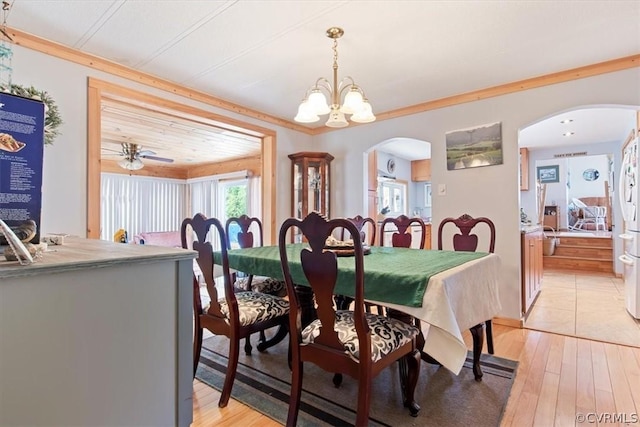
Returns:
point(280, 334)
point(477, 332)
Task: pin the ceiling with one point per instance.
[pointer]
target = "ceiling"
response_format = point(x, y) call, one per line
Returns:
point(186, 141)
point(264, 55)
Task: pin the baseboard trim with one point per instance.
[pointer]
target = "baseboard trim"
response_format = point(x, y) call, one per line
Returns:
point(507, 321)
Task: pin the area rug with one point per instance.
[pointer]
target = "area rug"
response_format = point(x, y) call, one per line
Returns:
point(263, 383)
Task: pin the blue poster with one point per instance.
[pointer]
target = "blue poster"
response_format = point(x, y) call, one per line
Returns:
point(21, 151)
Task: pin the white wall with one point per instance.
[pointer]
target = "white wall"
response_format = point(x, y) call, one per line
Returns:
point(580, 187)
point(488, 191)
point(491, 191)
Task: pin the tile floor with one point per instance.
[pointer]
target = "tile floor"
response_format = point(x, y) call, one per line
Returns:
point(584, 305)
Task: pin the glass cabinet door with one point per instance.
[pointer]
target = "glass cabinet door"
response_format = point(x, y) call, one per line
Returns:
point(311, 185)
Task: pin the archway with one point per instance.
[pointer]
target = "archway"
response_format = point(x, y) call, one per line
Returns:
point(402, 161)
point(97, 90)
point(572, 301)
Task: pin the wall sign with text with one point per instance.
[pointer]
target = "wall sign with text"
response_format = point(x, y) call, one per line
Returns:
point(21, 152)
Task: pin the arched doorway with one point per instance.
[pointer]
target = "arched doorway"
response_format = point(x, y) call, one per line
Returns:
point(399, 178)
point(573, 301)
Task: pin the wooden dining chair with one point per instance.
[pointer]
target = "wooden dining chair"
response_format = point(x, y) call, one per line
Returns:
point(250, 235)
point(343, 302)
point(465, 241)
point(355, 343)
point(403, 235)
point(234, 314)
point(360, 223)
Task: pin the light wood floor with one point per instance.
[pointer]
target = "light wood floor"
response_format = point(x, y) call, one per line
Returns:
point(558, 378)
point(584, 305)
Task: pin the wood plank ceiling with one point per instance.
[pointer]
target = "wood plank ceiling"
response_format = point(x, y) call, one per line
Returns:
point(186, 140)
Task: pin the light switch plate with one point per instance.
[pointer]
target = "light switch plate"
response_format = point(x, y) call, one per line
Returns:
point(442, 189)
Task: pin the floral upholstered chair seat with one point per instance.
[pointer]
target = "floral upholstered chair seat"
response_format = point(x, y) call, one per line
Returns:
point(263, 284)
point(387, 334)
point(256, 307)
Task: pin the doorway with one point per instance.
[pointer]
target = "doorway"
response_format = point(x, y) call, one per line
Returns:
point(571, 301)
point(99, 90)
point(398, 162)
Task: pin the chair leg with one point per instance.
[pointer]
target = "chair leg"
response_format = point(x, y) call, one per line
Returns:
point(296, 392)
point(197, 346)
point(364, 400)
point(489, 333)
point(413, 372)
point(477, 332)
point(247, 345)
point(232, 366)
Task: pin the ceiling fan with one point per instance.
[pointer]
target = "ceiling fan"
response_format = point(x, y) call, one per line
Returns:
point(133, 153)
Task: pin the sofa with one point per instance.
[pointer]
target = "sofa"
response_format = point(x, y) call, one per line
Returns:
point(159, 238)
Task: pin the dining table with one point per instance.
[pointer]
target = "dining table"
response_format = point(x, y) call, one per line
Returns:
point(448, 291)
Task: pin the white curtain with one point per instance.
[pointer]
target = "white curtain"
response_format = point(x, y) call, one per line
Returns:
point(204, 194)
point(140, 204)
point(254, 202)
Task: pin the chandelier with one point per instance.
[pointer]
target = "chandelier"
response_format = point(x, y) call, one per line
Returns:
point(315, 102)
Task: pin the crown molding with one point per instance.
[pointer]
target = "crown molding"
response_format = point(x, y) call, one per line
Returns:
point(39, 44)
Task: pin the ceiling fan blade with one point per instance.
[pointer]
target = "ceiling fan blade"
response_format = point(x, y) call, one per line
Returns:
point(159, 159)
point(112, 150)
point(146, 153)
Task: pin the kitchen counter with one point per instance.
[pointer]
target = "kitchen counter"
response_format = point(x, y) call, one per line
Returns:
point(529, 228)
point(97, 333)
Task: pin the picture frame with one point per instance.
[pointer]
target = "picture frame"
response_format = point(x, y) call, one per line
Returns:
point(474, 147)
point(548, 174)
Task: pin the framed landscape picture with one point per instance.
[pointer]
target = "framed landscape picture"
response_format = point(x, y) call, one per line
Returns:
point(474, 147)
point(547, 174)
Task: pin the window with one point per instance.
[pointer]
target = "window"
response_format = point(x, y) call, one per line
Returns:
point(393, 198)
point(233, 202)
point(427, 195)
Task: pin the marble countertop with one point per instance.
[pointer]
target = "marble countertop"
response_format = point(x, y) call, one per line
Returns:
point(530, 228)
point(78, 253)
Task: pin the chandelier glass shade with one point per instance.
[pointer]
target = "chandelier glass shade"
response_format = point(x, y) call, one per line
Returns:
point(315, 102)
point(131, 164)
point(131, 159)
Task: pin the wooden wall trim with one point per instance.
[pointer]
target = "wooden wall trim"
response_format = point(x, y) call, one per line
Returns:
point(124, 94)
point(111, 166)
point(269, 187)
point(98, 89)
point(507, 321)
point(60, 51)
point(48, 47)
point(252, 164)
point(93, 163)
point(508, 88)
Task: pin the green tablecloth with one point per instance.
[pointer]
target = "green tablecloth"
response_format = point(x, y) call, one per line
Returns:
point(393, 275)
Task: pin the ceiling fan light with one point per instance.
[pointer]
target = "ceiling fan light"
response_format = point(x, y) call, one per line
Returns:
point(318, 102)
point(352, 101)
point(336, 119)
point(306, 114)
point(132, 165)
point(365, 115)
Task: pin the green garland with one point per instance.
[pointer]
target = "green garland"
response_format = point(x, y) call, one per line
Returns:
point(52, 119)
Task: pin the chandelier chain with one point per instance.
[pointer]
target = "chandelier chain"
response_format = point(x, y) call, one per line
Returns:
point(335, 53)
